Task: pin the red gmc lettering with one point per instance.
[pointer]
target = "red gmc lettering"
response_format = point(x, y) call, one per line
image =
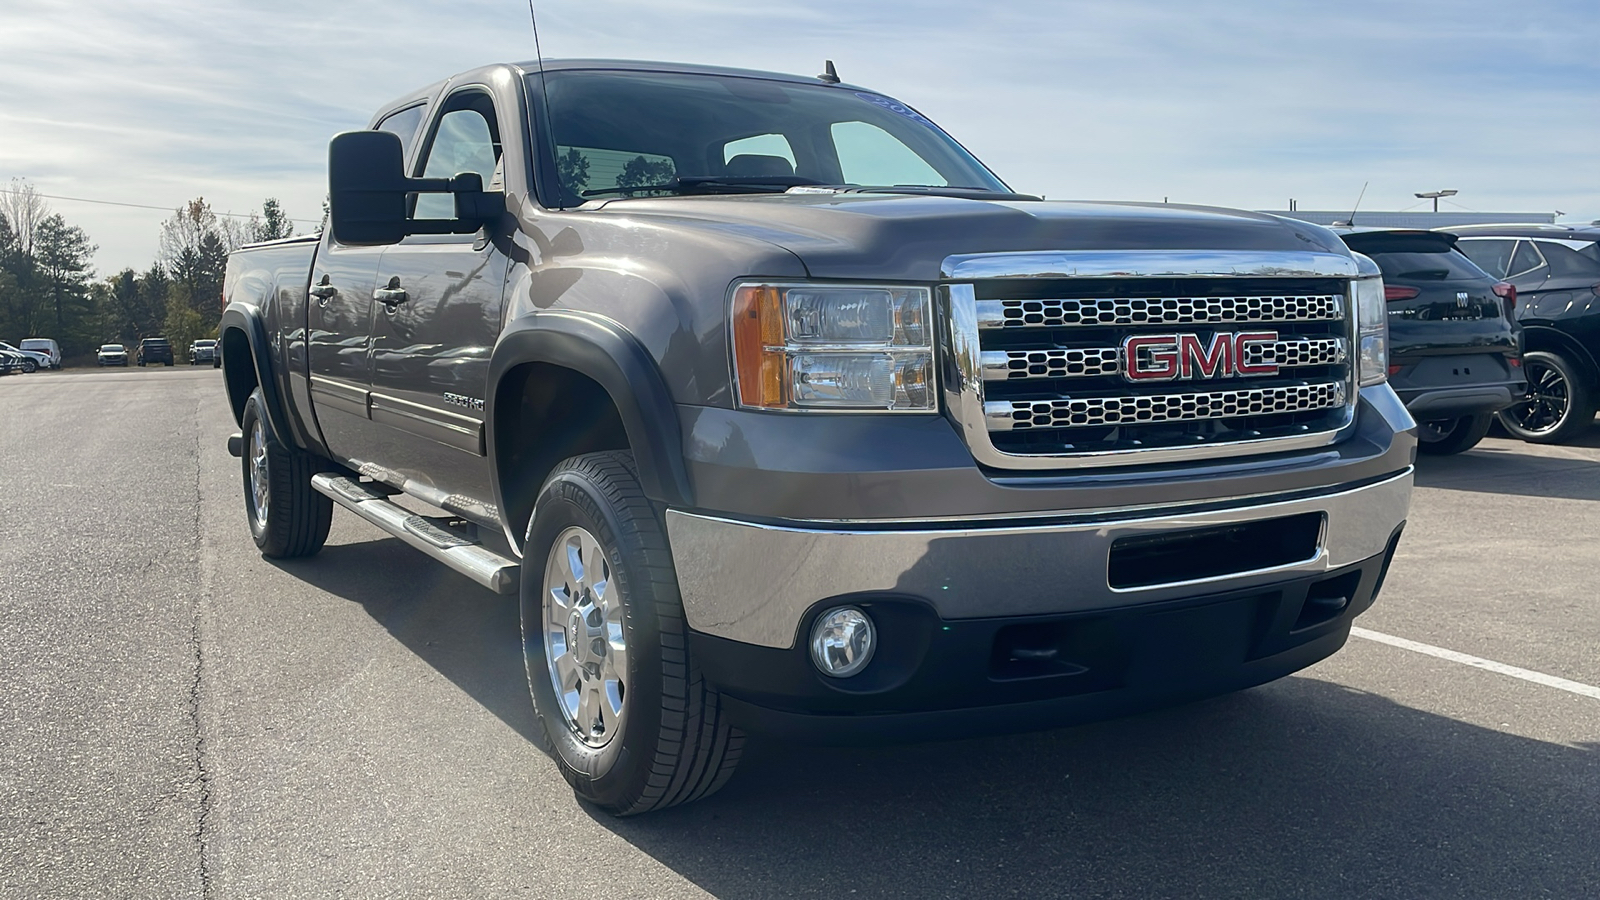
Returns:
point(1210, 362)
point(1161, 364)
point(1164, 357)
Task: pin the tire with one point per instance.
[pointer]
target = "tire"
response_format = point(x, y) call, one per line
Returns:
point(288, 518)
point(1560, 403)
point(1452, 436)
point(29, 367)
point(668, 740)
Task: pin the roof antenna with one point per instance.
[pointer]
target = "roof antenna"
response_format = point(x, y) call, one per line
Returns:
point(828, 76)
point(1352, 222)
point(544, 88)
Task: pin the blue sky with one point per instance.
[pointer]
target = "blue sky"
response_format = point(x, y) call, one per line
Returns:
point(1239, 103)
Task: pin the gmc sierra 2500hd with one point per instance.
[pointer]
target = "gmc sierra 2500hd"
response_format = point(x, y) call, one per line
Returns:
point(783, 413)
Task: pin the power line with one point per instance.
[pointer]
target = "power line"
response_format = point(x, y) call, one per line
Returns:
point(147, 206)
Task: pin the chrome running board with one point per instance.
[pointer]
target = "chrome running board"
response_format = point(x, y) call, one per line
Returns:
point(457, 548)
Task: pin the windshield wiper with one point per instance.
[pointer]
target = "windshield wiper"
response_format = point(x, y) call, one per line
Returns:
point(723, 184)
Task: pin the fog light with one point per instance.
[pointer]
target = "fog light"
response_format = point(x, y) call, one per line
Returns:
point(842, 642)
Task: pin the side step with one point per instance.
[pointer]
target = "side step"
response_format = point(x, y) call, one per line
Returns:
point(454, 547)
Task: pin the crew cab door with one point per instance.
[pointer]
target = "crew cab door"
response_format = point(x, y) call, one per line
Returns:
point(338, 331)
point(437, 314)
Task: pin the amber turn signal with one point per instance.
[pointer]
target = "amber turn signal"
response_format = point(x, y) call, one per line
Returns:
point(758, 346)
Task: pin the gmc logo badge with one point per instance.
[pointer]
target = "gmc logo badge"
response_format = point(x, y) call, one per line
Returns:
point(1167, 357)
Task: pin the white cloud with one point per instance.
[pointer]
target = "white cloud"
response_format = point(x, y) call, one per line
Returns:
point(1243, 103)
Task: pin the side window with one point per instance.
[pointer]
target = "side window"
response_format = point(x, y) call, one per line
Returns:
point(1565, 262)
point(870, 155)
point(1525, 260)
point(404, 124)
point(466, 139)
point(1492, 256)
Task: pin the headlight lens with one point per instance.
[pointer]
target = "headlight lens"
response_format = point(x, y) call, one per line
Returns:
point(1372, 324)
point(858, 347)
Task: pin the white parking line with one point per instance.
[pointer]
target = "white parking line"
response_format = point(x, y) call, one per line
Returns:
point(1560, 684)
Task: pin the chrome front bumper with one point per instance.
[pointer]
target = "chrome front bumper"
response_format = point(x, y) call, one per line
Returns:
point(755, 583)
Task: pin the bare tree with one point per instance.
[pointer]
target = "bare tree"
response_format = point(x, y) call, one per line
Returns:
point(23, 209)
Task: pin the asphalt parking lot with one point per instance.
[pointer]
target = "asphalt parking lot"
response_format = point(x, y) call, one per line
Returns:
point(181, 718)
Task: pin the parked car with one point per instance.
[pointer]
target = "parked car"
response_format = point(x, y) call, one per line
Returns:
point(47, 346)
point(33, 361)
point(1454, 349)
point(112, 355)
point(205, 351)
point(1556, 271)
point(12, 361)
point(154, 350)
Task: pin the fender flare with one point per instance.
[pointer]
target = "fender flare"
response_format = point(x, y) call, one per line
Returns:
point(602, 350)
point(247, 321)
point(1549, 334)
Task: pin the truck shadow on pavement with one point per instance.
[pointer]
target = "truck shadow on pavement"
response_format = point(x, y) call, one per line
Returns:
point(1301, 787)
point(467, 634)
point(1298, 788)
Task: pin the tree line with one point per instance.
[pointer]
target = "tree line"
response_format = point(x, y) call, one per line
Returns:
point(48, 286)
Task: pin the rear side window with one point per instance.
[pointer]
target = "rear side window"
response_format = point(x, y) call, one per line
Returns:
point(404, 124)
point(1525, 260)
point(1492, 256)
point(1564, 262)
point(1445, 265)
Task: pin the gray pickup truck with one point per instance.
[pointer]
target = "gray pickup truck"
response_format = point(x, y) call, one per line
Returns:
point(781, 413)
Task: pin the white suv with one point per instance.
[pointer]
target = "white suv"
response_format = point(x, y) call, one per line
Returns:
point(47, 346)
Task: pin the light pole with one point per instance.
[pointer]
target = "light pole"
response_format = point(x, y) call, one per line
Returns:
point(1434, 196)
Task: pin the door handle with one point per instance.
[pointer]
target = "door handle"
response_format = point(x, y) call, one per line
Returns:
point(391, 296)
point(323, 291)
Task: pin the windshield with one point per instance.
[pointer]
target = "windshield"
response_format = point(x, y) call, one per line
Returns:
point(111, 348)
point(621, 134)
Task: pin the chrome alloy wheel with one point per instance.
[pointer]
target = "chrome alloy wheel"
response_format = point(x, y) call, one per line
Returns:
point(585, 648)
point(1549, 399)
point(260, 475)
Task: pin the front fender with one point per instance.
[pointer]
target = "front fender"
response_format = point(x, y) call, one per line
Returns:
point(602, 350)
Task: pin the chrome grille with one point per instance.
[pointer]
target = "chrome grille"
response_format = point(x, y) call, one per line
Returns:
point(1093, 362)
point(1041, 374)
point(1007, 415)
point(1052, 313)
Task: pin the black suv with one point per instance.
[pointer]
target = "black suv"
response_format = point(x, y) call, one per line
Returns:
point(155, 350)
point(1454, 350)
point(1556, 273)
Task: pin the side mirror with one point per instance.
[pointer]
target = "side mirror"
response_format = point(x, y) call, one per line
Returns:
point(367, 190)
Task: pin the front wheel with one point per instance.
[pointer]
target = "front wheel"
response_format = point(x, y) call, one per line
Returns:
point(287, 516)
point(1450, 436)
point(1559, 405)
point(631, 723)
point(29, 367)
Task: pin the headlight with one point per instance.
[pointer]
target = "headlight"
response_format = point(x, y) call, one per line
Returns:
point(1372, 324)
point(855, 347)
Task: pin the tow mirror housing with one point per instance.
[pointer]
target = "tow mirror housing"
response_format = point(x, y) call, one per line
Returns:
point(368, 190)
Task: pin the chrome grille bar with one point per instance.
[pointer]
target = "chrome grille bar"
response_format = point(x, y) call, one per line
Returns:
point(1018, 415)
point(1132, 311)
point(1093, 362)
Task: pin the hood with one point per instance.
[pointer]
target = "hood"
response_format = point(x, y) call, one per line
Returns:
point(905, 237)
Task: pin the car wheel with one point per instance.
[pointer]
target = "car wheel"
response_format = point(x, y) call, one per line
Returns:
point(1444, 437)
point(29, 367)
point(629, 720)
point(1559, 405)
point(287, 516)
